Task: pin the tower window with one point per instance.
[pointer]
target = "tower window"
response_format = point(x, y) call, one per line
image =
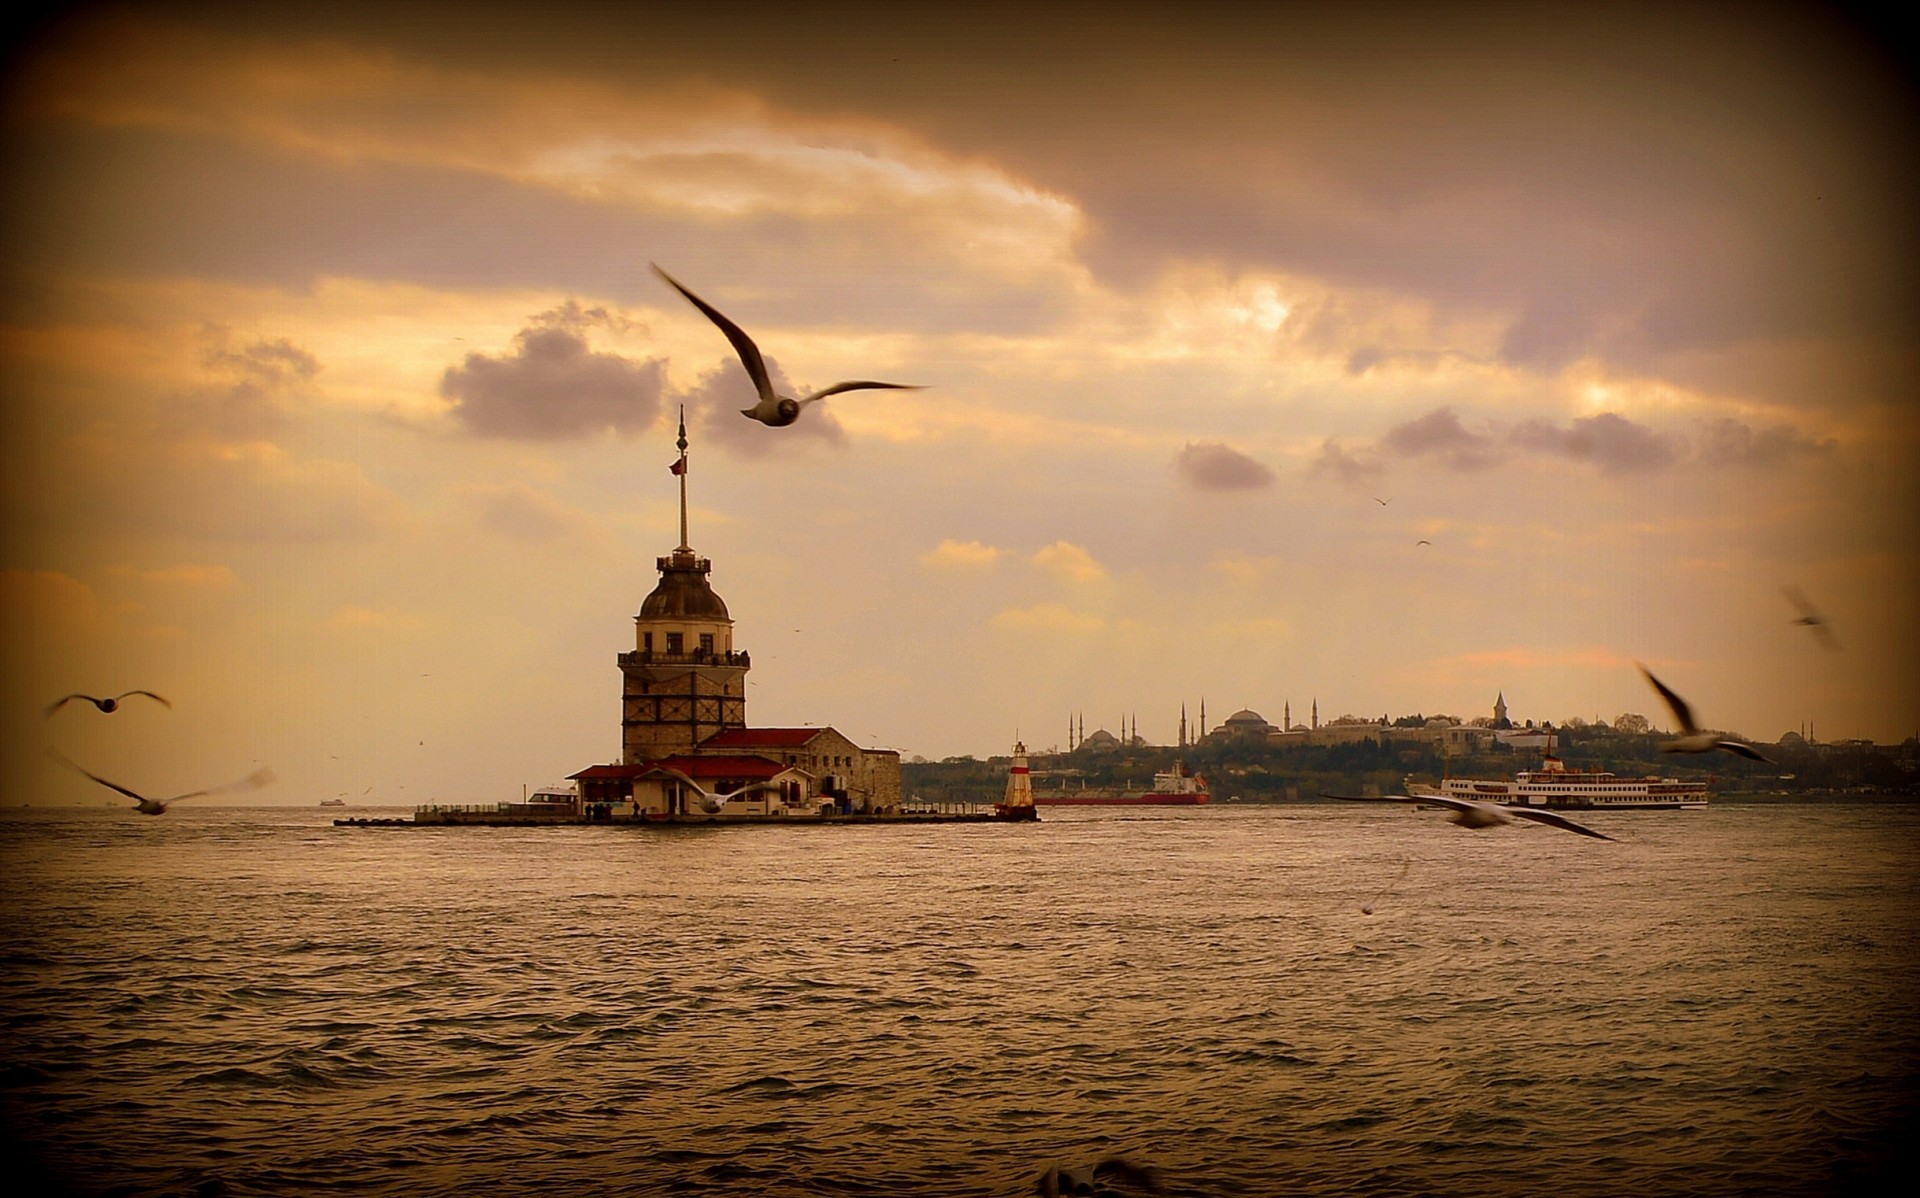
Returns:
point(675, 642)
point(646, 641)
point(706, 642)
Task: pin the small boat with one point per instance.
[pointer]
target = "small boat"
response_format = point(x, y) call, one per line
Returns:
point(333, 802)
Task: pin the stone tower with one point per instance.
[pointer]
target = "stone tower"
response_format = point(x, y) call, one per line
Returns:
point(683, 681)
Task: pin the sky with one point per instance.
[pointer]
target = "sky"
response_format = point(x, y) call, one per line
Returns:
point(1386, 356)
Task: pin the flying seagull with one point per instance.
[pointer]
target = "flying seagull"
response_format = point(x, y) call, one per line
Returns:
point(1472, 813)
point(712, 803)
point(107, 705)
point(774, 409)
point(1422, 541)
point(1691, 739)
point(1112, 1176)
point(1812, 618)
point(147, 806)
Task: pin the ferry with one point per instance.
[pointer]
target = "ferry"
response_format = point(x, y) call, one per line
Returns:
point(1172, 788)
point(1554, 785)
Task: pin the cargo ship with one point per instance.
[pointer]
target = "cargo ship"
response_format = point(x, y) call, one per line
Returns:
point(1554, 785)
point(1172, 788)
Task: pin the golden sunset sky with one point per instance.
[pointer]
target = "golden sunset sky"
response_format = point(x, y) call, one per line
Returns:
point(340, 396)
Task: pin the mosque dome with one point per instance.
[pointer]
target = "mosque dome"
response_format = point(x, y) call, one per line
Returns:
point(683, 593)
point(1249, 720)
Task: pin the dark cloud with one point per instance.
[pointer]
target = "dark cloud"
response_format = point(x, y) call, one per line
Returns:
point(1334, 461)
point(1610, 441)
point(1729, 442)
point(714, 404)
point(1439, 434)
point(552, 386)
point(252, 392)
point(1211, 466)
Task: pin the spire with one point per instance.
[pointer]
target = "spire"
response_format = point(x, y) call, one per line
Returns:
point(680, 468)
point(1183, 725)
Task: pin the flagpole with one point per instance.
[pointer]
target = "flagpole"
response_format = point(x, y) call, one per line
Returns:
point(682, 472)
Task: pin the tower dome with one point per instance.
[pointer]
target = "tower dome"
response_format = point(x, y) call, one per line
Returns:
point(683, 592)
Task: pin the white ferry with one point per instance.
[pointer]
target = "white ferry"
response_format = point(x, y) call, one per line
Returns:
point(1554, 785)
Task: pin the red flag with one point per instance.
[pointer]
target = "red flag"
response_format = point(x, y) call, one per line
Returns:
point(679, 466)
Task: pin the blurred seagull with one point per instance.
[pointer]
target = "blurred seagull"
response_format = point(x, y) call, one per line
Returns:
point(107, 705)
point(147, 806)
point(1691, 739)
point(1099, 1178)
point(1421, 542)
point(1472, 813)
point(774, 409)
point(1812, 618)
point(1383, 502)
point(712, 803)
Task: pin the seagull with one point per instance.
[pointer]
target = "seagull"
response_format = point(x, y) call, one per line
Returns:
point(1099, 1178)
point(107, 705)
point(712, 803)
point(1382, 502)
point(774, 409)
point(1691, 739)
point(1473, 813)
point(147, 806)
point(1812, 619)
point(1421, 542)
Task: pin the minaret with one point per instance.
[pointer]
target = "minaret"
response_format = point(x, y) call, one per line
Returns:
point(1316, 714)
point(1286, 716)
point(1183, 725)
point(1200, 733)
point(683, 681)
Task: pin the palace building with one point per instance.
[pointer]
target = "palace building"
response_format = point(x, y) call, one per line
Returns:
point(686, 748)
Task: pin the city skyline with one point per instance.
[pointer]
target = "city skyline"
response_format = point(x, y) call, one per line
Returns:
point(1425, 353)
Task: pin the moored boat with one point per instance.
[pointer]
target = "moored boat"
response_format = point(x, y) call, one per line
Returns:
point(1554, 785)
point(1171, 788)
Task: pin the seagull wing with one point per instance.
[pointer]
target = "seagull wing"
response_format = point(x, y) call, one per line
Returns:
point(742, 344)
point(860, 385)
point(1682, 714)
point(53, 707)
point(149, 694)
point(136, 796)
point(1742, 749)
point(1556, 821)
point(1447, 801)
point(254, 781)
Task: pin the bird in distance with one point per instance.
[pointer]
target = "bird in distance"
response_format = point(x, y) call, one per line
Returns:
point(109, 705)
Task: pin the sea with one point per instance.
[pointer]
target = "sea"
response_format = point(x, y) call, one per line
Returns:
point(1319, 999)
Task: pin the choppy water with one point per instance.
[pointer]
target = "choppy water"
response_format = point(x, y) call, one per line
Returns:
point(251, 1001)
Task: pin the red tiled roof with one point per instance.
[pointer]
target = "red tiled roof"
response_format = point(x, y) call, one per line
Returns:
point(610, 771)
point(720, 767)
point(756, 738)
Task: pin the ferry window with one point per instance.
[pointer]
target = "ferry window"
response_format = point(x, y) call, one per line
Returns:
point(674, 642)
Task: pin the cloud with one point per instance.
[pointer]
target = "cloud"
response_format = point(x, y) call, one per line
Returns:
point(1334, 461)
point(1050, 618)
point(1068, 561)
point(252, 389)
point(1439, 434)
point(1729, 442)
point(1610, 441)
point(352, 619)
point(960, 555)
point(552, 386)
point(1211, 466)
point(518, 511)
point(186, 577)
point(715, 403)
